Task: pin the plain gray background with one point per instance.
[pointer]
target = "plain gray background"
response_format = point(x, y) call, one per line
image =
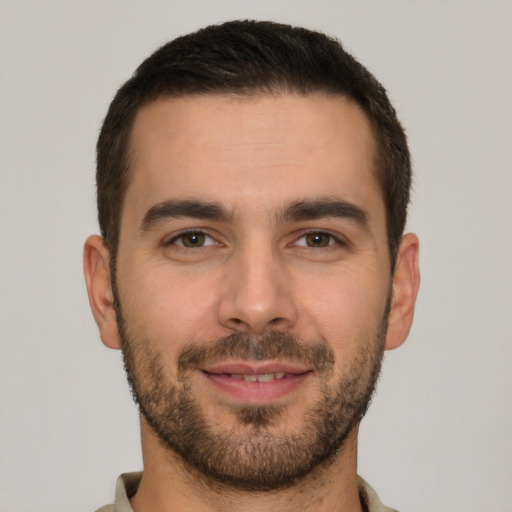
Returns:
point(438, 435)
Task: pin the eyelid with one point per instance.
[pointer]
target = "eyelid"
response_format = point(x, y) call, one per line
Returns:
point(180, 234)
point(338, 239)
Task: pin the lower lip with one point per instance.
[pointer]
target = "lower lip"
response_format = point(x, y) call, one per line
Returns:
point(257, 392)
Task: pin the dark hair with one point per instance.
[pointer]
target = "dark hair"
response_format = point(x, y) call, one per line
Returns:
point(249, 58)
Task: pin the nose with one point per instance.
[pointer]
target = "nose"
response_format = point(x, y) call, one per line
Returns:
point(256, 293)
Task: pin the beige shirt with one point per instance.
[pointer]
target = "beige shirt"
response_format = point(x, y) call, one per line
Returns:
point(128, 483)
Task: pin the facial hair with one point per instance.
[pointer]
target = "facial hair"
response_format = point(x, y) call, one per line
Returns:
point(253, 457)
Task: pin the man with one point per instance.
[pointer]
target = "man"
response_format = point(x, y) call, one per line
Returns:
point(253, 182)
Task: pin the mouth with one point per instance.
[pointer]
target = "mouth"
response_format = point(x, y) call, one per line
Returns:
point(256, 383)
point(265, 377)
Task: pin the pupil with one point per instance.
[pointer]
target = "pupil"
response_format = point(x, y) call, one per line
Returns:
point(317, 239)
point(194, 239)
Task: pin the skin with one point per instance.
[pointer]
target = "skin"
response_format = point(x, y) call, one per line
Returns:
point(256, 272)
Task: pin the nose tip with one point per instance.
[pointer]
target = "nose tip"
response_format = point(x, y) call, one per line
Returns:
point(257, 299)
point(255, 323)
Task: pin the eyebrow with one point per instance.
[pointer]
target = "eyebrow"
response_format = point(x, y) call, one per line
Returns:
point(325, 207)
point(173, 209)
point(297, 211)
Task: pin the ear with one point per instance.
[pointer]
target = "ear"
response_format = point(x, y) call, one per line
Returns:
point(406, 282)
point(99, 289)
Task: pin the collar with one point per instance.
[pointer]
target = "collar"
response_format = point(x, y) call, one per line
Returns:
point(128, 483)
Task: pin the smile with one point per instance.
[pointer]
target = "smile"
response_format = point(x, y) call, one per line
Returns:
point(256, 383)
point(265, 377)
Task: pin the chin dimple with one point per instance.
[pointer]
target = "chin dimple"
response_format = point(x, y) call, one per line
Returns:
point(266, 377)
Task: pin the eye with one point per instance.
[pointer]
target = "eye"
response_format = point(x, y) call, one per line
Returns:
point(193, 240)
point(317, 239)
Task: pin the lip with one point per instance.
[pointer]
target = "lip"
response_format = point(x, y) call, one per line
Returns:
point(221, 377)
point(255, 367)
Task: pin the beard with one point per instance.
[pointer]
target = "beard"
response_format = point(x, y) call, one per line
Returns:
point(254, 455)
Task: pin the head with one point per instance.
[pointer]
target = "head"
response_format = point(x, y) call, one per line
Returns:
point(252, 190)
point(249, 58)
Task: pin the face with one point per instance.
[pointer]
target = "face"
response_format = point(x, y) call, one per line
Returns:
point(253, 280)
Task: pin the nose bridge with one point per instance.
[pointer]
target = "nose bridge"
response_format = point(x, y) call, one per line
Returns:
point(256, 294)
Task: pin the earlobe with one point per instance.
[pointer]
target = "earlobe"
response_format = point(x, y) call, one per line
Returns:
point(406, 282)
point(99, 290)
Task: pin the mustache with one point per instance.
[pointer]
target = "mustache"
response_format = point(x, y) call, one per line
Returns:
point(271, 345)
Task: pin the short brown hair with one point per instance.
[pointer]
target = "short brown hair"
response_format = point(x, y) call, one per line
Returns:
point(248, 58)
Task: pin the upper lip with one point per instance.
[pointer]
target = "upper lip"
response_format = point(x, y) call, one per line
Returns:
point(255, 368)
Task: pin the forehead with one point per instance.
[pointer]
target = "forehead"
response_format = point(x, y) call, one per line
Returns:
point(238, 150)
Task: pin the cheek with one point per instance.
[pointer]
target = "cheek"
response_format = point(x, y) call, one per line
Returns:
point(167, 307)
point(346, 308)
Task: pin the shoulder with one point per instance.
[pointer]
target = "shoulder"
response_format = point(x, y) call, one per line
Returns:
point(126, 486)
point(370, 499)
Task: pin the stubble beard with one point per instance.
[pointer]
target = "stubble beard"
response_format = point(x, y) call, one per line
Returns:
point(252, 457)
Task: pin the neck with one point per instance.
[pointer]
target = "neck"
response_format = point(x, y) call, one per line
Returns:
point(168, 485)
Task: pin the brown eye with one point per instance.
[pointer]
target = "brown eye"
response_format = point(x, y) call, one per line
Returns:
point(318, 239)
point(193, 240)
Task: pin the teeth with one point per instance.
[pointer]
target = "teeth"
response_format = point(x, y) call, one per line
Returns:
point(266, 377)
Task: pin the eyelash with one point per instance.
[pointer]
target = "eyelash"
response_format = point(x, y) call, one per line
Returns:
point(332, 240)
point(183, 234)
